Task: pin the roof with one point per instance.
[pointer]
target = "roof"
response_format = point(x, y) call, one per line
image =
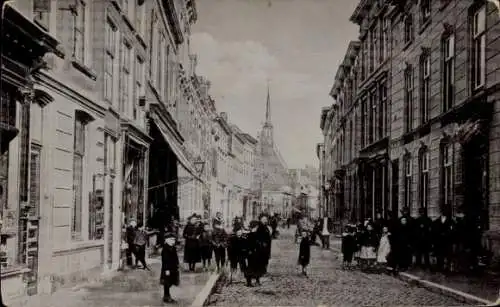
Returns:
point(223, 124)
point(250, 138)
point(324, 112)
point(345, 66)
point(360, 11)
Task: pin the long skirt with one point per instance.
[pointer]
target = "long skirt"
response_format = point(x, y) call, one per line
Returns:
point(192, 253)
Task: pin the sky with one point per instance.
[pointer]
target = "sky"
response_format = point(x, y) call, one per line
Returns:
point(295, 46)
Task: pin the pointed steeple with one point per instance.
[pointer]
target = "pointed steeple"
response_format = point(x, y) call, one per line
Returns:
point(268, 109)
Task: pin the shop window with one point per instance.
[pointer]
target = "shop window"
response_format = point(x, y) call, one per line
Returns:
point(79, 145)
point(408, 181)
point(446, 175)
point(424, 178)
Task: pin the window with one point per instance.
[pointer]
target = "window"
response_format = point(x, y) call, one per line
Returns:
point(408, 75)
point(364, 59)
point(78, 167)
point(125, 77)
point(384, 39)
point(424, 178)
point(425, 87)
point(449, 72)
point(139, 81)
point(408, 29)
point(382, 120)
point(365, 122)
point(425, 10)
point(79, 33)
point(478, 47)
point(373, 116)
point(159, 61)
point(153, 50)
point(446, 175)
point(140, 18)
point(408, 181)
point(41, 12)
point(371, 55)
point(110, 54)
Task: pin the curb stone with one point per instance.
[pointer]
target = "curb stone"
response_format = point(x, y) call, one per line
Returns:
point(202, 297)
point(440, 289)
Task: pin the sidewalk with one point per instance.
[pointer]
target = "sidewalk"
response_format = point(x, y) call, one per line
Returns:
point(127, 288)
point(481, 289)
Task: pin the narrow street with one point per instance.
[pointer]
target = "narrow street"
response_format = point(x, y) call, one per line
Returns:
point(327, 284)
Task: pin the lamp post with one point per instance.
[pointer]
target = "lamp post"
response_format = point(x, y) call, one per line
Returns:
point(199, 166)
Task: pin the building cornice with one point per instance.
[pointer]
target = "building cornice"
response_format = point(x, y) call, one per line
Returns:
point(63, 89)
point(345, 68)
point(360, 12)
point(173, 21)
point(324, 112)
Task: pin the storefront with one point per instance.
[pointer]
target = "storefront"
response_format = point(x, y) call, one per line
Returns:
point(23, 46)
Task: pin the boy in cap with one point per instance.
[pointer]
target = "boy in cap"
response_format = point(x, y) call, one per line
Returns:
point(169, 267)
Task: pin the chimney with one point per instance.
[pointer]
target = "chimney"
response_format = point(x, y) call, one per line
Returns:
point(223, 115)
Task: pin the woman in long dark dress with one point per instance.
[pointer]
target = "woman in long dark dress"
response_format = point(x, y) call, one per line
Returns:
point(305, 252)
point(191, 234)
point(256, 266)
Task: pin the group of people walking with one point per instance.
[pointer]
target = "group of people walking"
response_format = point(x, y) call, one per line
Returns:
point(454, 243)
point(247, 247)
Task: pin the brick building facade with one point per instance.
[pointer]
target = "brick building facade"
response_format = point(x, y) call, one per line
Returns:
point(415, 113)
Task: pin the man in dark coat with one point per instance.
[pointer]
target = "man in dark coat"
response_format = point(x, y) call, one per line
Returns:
point(422, 237)
point(169, 275)
point(265, 240)
point(442, 234)
point(255, 265)
point(237, 253)
point(130, 233)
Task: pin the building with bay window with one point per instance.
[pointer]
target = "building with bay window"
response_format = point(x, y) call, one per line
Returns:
point(424, 97)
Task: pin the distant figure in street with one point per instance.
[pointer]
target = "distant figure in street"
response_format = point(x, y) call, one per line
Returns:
point(169, 275)
point(206, 246)
point(219, 243)
point(348, 246)
point(140, 242)
point(274, 226)
point(191, 234)
point(288, 222)
point(326, 226)
point(304, 252)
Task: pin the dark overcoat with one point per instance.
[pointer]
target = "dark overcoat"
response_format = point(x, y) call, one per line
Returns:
point(170, 262)
point(305, 251)
point(191, 235)
point(256, 266)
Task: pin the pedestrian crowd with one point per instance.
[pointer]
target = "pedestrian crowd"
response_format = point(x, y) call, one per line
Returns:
point(447, 244)
point(246, 246)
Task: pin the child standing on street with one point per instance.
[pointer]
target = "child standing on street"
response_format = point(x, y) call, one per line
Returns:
point(169, 275)
point(348, 247)
point(305, 252)
point(384, 247)
point(219, 243)
point(140, 242)
point(206, 246)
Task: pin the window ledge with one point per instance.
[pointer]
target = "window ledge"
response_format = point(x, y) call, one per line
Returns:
point(78, 246)
point(128, 22)
point(87, 71)
point(424, 26)
point(141, 40)
point(14, 270)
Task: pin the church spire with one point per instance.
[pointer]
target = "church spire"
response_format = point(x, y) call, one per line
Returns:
point(268, 108)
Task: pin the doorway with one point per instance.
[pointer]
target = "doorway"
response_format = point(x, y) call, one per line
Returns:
point(395, 188)
point(475, 178)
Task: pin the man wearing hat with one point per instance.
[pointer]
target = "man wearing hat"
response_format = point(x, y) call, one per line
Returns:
point(169, 275)
point(422, 232)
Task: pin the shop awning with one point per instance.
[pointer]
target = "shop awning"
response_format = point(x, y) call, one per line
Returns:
point(176, 148)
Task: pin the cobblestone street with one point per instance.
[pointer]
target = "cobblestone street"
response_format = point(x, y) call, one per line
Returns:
point(327, 284)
